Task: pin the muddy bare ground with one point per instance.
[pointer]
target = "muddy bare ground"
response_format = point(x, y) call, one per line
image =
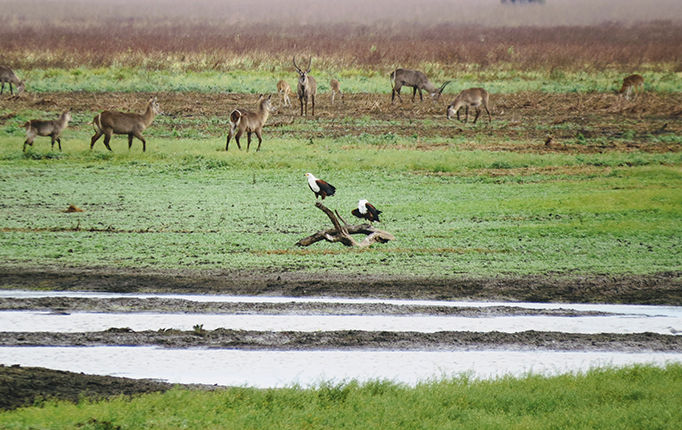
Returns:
point(24, 386)
point(534, 122)
point(656, 289)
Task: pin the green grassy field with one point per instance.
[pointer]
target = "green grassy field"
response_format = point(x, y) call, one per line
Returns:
point(638, 397)
point(189, 204)
point(243, 78)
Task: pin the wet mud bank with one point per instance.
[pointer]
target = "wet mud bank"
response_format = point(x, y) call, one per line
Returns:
point(28, 386)
point(66, 305)
point(352, 340)
point(657, 289)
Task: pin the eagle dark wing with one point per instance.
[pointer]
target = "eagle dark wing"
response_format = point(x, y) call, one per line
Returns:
point(372, 212)
point(326, 189)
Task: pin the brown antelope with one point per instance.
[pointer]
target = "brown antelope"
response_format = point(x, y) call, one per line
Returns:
point(632, 82)
point(307, 87)
point(250, 122)
point(415, 79)
point(52, 128)
point(473, 97)
point(133, 124)
point(336, 89)
point(7, 75)
point(284, 89)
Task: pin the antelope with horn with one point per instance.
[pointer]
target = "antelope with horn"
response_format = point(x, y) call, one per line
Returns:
point(632, 82)
point(8, 76)
point(415, 79)
point(284, 89)
point(250, 122)
point(133, 124)
point(52, 128)
point(473, 97)
point(307, 87)
point(336, 89)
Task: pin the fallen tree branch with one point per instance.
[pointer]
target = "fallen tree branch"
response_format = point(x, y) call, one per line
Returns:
point(342, 233)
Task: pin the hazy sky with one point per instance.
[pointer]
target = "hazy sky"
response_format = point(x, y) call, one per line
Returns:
point(387, 12)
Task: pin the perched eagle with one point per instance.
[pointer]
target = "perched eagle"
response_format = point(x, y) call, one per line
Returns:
point(320, 187)
point(367, 211)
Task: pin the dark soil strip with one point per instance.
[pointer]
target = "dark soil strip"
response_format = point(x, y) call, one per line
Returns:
point(28, 386)
point(353, 340)
point(161, 305)
point(657, 289)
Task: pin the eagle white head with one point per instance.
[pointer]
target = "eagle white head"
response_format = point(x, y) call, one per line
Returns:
point(362, 206)
point(311, 182)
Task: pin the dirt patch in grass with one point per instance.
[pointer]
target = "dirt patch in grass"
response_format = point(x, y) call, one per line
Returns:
point(522, 122)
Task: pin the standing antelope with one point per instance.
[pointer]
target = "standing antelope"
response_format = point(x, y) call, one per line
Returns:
point(307, 87)
point(284, 90)
point(133, 124)
point(52, 128)
point(473, 97)
point(415, 79)
point(632, 82)
point(250, 122)
point(7, 75)
point(336, 88)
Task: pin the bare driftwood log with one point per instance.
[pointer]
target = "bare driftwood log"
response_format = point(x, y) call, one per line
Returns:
point(342, 233)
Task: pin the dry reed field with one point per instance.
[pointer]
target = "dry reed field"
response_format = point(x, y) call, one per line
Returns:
point(377, 36)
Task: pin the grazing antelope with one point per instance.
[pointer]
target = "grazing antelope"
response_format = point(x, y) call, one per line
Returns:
point(632, 82)
point(284, 90)
point(133, 124)
point(7, 75)
point(473, 97)
point(415, 79)
point(307, 87)
point(52, 128)
point(250, 122)
point(335, 88)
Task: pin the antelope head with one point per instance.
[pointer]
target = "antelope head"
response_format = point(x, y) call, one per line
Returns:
point(155, 106)
point(436, 95)
point(303, 76)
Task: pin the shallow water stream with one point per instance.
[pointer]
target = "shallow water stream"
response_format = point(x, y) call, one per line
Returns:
point(283, 368)
point(278, 368)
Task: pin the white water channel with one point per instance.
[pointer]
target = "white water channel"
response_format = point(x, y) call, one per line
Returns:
point(285, 368)
point(279, 368)
point(27, 321)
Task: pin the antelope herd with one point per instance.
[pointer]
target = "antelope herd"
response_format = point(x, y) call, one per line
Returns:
point(307, 87)
point(473, 97)
point(53, 128)
point(8, 76)
point(242, 120)
point(632, 82)
point(108, 123)
point(132, 124)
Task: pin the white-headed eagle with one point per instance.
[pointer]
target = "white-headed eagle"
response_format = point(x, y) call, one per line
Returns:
point(320, 187)
point(366, 211)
